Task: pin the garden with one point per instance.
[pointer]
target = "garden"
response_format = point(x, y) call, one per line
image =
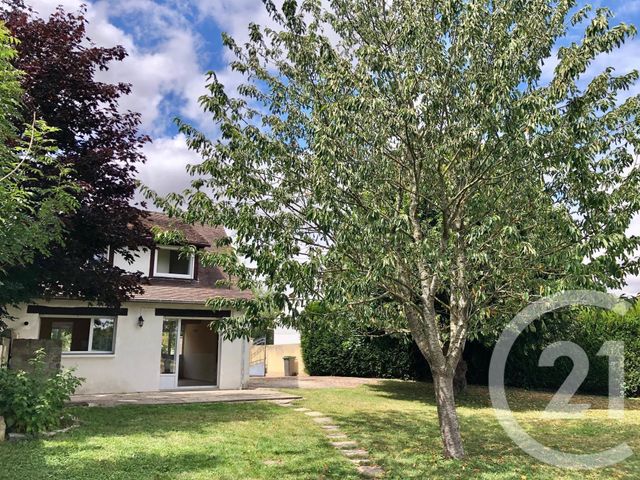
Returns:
point(395, 421)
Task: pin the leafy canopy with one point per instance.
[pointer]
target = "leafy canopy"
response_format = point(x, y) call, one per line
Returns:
point(99, 144)
point(29, 212)
point(409, 157)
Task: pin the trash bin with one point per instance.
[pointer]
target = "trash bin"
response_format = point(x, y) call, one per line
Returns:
point(289, 366)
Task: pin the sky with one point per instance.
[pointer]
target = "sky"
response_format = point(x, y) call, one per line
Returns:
point(173, 44)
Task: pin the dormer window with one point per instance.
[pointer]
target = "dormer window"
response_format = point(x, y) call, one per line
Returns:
point(171, 262)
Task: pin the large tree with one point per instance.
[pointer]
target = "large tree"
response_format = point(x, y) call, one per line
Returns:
point(30, 221)
point(101, 145)
point(413, 152)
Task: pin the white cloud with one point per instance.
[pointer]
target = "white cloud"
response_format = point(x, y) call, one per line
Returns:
point(167, 159)
point(162, 61)
point(170, 66)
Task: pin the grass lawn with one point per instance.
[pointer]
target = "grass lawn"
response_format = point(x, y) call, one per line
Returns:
point(395, 421)
point(217, 441)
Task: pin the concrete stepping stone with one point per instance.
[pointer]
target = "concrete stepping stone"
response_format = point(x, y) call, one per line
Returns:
point(370, 471)
point(360, 461)
point(315, 414)
point(331, 427)
point(301, 409)
point(335, 436)
point(344, 445)
point(322, 419)
point(356, 452)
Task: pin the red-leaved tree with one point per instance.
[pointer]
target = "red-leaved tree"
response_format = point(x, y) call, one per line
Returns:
point(102, 144)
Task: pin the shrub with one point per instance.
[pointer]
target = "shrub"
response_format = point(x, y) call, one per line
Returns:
point(337, 350)
point(588, 328)
point(33, 402)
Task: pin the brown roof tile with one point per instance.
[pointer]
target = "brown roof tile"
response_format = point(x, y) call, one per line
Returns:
point(190, 291)
point(157, 219)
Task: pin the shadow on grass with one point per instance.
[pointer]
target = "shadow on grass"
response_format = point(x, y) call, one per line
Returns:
point(221, 441)
point(408, 445)
point(477, 396)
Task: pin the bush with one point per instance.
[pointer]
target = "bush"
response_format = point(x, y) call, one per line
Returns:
point(588, 328)
point(33, 402)
point(337, 350)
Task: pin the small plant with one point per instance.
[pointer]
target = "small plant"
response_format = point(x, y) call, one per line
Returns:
point(33, 402)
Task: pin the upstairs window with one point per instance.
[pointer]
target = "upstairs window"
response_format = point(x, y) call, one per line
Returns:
point(171, 262)
point(80, 335)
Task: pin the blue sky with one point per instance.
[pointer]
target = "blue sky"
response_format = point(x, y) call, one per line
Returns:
point(173, 43)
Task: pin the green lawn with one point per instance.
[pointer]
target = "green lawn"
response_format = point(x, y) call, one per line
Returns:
point(217, 441)
point(395, 421)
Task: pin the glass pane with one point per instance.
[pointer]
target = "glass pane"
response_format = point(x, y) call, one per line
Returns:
point(169, 337)
point(178, 263)
point(173, 262)
point(62, 331)
point(103, 329)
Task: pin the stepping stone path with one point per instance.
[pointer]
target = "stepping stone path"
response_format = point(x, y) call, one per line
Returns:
point(340, 441)
point(322, 420)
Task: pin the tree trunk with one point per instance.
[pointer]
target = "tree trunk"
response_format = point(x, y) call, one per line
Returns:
point(460, 378)
point(447, 416)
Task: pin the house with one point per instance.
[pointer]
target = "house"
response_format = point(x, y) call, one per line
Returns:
point(160, 339)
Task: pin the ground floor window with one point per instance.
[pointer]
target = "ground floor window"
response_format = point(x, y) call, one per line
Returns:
point(92, 335)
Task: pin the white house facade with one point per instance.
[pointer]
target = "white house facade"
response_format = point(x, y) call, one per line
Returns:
point(160, 339)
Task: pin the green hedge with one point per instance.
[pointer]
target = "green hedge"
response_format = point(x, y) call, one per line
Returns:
point(345, 351)
point(332, 350)
point(589, 329)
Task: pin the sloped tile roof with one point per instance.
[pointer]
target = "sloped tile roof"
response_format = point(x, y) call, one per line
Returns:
point(206, 285)
point(156, 219)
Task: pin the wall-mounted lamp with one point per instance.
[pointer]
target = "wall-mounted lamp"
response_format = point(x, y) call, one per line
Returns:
point(140, 321)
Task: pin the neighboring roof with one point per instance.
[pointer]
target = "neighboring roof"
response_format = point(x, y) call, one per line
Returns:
point(197, 291)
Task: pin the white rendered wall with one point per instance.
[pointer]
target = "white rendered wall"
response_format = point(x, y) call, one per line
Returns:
point(285, 336)
point(141, 262)
point(135, 364)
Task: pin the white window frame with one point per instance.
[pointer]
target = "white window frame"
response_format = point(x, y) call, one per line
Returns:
point(90, 342)
point(188, 276)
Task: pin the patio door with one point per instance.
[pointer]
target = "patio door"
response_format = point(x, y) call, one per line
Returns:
point(189, 354)
point(169, 354)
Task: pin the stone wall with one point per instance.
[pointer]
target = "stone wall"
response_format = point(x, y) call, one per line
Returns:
point(23, 350)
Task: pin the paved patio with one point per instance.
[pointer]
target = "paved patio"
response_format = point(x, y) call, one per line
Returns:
point(180, 397)
point(259, 388)
point(310, 382)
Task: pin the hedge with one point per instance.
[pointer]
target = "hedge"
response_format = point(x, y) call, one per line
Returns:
point(345, 351)
point(587, 328)
point(334, 350)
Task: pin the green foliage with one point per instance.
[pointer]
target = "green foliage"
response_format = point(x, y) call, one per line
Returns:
point(34, 402)
point(588, 328)
point(163, 236)
point(412, 152)
point(343, 349)
point(100, 143)
point(405, 149)
point(35, 189)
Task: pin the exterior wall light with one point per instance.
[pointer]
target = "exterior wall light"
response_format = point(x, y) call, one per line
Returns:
point(140, 321)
